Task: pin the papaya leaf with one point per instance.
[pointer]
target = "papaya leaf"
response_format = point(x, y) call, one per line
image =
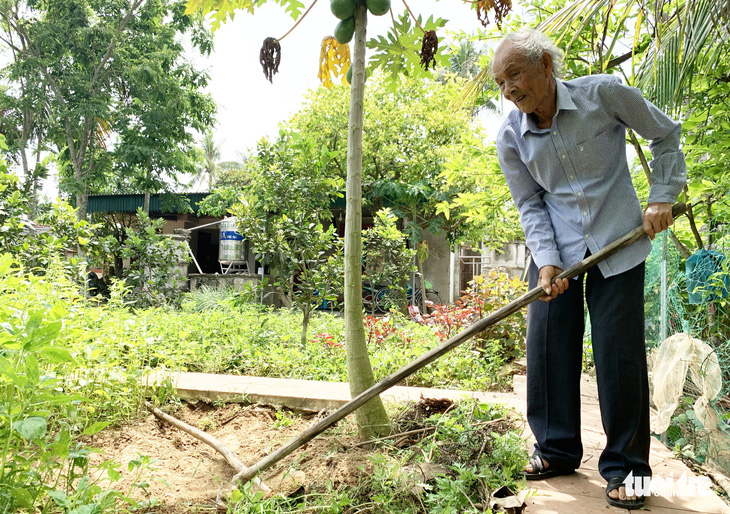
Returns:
point(398, 52)
point(222, 11)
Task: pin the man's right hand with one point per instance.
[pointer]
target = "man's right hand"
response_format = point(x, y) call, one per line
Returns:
point(544, 281)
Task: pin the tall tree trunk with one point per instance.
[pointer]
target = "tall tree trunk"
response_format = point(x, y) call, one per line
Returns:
point(36, 182)
point(82, 203)
point(371, 417)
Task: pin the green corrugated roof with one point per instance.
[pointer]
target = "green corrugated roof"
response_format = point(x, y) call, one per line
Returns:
point(130, 203)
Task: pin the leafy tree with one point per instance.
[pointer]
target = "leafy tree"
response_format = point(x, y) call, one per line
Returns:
point(152, 273)
point(386, 255)
point(107, 72)
point(23, 120)
point(40, 250)
point(421, 158)
point(283, 212)
point(210, 155)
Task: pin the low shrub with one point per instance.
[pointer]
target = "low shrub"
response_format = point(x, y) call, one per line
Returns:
point(52, 394)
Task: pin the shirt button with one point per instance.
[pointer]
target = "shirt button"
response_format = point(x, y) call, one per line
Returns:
point(563, 156)
point(585, 213)
point(587, 236)
point(555, 133)
point(572, 177)
point(580, 193)
point(581, 148)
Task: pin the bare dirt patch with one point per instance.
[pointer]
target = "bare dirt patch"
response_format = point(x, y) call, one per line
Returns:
point(189, 475)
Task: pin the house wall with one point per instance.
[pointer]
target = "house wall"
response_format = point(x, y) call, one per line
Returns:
point(509, 258)
point(436, 267)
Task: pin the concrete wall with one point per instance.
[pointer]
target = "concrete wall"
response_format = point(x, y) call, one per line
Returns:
point(237, 281)
point(511, 257)
point(437, 266)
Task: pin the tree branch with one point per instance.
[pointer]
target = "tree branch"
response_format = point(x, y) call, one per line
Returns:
point(125, 21)
point(221, 448)
point(692, 224)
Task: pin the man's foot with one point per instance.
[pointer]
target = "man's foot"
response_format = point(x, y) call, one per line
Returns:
point(616, 495)
point(539, 469)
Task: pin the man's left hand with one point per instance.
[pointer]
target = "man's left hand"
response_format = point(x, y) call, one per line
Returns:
point(657, 217)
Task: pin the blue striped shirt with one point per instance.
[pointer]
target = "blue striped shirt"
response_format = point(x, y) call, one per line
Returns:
point(571, 182)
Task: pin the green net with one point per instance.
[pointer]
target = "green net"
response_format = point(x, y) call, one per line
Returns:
point(687, 332)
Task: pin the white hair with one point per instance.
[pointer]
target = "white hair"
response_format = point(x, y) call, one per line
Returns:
point(533, 44)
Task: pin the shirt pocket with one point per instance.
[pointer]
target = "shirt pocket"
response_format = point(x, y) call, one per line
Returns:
point(594, 156)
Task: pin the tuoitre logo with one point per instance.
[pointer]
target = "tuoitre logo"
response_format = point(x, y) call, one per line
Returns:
point(659, 485)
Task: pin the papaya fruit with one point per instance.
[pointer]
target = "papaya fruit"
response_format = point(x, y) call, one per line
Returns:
point(342, 9)
point(344, 30)
point(378, 7)
point(348, 75)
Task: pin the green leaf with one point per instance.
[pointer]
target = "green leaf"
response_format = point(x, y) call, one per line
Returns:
point(31, 369)
point(6, 368)
point(61, 444)
point(236, 496)
point(96, 427)
point(22, 497)
point(59, 497)
point(93, 508)
point(56, 355)
point(32, 428)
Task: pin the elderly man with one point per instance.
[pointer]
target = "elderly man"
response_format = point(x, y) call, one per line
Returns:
point(563, 153)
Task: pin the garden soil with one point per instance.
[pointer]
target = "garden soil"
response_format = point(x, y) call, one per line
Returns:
point(189, 475)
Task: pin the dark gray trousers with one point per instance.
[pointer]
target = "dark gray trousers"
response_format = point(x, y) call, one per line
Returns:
point(554, 352)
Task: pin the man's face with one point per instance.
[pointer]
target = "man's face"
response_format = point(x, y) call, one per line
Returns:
point(525, 83)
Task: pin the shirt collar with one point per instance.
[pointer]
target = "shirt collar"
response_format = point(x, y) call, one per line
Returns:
point(564, 103)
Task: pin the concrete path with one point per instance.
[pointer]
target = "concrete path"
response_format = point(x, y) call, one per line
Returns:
point(581, 493)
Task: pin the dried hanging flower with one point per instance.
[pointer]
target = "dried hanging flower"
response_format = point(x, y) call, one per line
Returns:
point(501, 9)
point(428, 49)
point(270, 57)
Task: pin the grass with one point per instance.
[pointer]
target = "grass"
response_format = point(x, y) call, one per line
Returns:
point(451, 458)
point(258, 341)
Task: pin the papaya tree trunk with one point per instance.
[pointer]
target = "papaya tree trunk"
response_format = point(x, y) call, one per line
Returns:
point(371, 417)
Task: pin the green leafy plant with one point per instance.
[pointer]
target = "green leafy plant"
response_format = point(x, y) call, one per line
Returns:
point(387, 258)
point(153, 272)
point(292, 234)
point(485, 294)
point(49, 399)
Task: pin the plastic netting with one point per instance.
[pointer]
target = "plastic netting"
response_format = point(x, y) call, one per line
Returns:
point(688, 335)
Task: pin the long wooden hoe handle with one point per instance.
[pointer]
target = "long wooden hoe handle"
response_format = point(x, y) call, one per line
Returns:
point(432, 355)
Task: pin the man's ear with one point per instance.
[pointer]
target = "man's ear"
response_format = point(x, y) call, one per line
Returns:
point(547, 62)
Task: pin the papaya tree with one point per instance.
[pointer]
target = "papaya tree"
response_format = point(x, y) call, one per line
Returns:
point(397, 53)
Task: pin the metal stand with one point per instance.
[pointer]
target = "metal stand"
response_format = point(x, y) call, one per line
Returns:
point(233, 267)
